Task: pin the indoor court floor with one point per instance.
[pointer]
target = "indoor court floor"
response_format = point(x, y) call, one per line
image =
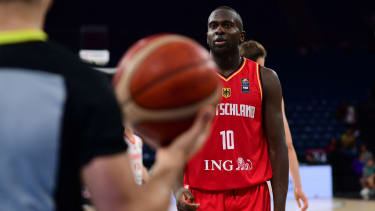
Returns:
point(335, 204)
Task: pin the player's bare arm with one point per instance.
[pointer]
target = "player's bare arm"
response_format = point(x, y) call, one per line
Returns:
point(184, 197)
point(274, 131)
point(293, 165)
point(113, 187)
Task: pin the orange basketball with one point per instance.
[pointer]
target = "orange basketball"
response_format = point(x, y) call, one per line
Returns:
point(161, 83)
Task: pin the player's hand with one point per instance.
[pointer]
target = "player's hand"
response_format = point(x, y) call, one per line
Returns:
point(300, 195)
point(185, 200)
point(189, 142)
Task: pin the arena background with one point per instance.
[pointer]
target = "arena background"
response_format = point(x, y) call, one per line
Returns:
point(323, 52)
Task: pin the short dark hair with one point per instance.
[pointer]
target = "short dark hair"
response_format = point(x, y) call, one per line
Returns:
point(252, 50)
point(240, 22)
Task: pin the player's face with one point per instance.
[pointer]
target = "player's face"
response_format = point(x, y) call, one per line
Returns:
point(223, 33)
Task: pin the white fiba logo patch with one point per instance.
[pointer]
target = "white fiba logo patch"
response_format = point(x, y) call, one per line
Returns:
point(227, 165)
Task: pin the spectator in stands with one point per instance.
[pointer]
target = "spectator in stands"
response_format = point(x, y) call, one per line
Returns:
point(347, 114)
point(360, 161)
point(365, 154)
point(358, 166)
point(332, 149)
point(350, 117)
point(368, 179)
point(348, 139)
point(332, 145)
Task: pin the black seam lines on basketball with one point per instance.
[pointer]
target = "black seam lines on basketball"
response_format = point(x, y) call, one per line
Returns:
point(164, 77)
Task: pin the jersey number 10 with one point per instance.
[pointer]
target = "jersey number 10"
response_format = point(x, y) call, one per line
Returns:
point(228, 139)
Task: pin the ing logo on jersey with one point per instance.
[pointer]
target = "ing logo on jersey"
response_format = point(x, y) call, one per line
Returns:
point(226, 92)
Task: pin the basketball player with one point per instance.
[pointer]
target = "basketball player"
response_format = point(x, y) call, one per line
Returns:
point(246, 146)
point(255, 51)
point(60, 126)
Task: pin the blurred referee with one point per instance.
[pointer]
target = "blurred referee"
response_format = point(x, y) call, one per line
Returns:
point(55, 114)
point(60, 122)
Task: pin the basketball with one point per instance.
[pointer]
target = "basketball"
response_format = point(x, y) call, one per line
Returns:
point(161, 82)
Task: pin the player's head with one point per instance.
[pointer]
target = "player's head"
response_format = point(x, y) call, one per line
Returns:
point(29, 10)
point(28, 3)
point(254, 51)
point(225, 30)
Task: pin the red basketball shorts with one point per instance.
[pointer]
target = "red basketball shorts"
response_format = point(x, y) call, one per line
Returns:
point(255, 198)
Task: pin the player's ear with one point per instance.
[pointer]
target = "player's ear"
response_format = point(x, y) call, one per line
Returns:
point(207, 38)
point(242, 36)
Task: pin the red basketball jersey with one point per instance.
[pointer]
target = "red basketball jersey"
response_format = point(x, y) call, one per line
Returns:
point(236, 152)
